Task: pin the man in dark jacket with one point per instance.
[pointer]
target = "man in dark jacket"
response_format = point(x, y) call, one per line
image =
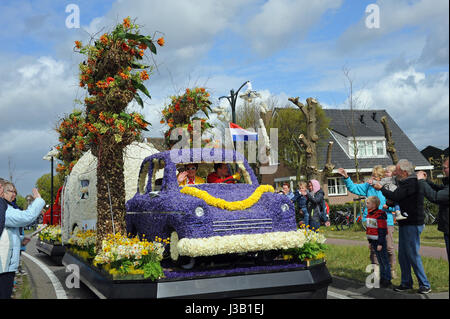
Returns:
point(438, 194)
point(3, 207)
point(410, 198)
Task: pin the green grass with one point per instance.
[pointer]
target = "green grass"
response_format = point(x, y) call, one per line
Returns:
point(430, 235)
point(351, 262)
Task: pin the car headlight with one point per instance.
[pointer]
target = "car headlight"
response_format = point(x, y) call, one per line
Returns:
point(199, 212)
point(284, 208)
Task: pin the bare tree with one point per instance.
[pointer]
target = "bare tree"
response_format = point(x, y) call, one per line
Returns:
point(310, 139)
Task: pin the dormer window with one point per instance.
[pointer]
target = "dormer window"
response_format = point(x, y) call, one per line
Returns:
point(372, 147)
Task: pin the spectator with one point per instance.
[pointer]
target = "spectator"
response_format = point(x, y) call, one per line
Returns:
point(3, 207)
point(390, 183)
point(221, 175)
point(23, 240)
point(410, 199)
point(314, 204)
point(10, 240)
point(300, 200)
point(366, 189)
point(287, 191)
point(376, 234)
point(438, 194)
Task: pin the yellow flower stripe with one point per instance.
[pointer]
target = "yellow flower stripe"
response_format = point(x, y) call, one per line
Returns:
point(223, 204)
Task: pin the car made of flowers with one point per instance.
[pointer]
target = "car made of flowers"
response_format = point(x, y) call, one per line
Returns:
point(212, 218)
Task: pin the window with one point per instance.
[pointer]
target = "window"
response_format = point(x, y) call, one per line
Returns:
point(336, 186)
point(368, 148)
point(84, 189)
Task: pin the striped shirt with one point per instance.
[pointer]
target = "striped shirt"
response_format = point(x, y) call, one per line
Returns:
point(376, 222)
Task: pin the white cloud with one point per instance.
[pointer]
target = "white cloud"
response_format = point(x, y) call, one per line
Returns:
point(426, 16)
point(280, 22)
point(418, 102)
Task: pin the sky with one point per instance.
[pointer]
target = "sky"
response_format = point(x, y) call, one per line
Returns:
point(396, 53)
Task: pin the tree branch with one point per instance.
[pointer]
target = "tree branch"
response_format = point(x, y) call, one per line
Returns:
point(390, 142)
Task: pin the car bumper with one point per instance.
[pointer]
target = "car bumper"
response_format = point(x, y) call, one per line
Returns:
point(195, 247)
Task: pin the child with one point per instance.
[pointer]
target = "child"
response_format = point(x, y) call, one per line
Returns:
point(300, 199)
point(389, 182)
point(376, 235)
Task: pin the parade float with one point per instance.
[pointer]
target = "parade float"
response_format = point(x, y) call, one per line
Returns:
point(160, 240)
point(207, 240)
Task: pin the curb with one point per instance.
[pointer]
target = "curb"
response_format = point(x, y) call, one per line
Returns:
point(382, 293)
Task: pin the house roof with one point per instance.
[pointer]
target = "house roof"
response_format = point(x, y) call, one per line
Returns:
point(367, 124)
point(434, 152)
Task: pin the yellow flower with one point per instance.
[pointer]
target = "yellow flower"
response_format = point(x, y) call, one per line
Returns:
point(223, 204)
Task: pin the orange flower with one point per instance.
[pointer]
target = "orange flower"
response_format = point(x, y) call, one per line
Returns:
point(161, 41)
point(78, 44)
point(125, 47)
point(104, 39)
point(81, 84)
point(141, 52)
point(109, 80)
point(162, 121)
point(142, 46)
point(123, 75)
point(144, 75)
point(126, 23)
point(170, 110)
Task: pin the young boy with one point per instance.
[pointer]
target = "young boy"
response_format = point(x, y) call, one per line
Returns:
point(376, 235)
point(300, 199)
point(389, 182)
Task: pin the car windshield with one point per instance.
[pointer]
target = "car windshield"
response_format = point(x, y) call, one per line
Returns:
point(226, 172)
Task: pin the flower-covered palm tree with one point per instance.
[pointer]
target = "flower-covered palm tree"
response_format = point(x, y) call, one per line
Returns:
point(113, 74)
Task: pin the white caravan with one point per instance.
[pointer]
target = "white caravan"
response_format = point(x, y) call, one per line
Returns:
point(79, 195)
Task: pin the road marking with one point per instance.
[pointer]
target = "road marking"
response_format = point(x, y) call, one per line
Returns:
point(336, 295)
point(59, 290)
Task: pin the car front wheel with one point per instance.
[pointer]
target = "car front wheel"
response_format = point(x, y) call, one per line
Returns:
point(184, 262)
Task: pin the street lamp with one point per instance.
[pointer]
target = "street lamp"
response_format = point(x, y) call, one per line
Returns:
point(232, 100)
point(49, 157)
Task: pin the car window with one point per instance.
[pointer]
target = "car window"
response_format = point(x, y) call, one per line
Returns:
point(204, 169)
point(143, 178)
point(157, 174)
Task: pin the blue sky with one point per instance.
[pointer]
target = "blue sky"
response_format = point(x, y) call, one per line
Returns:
point(287, 48)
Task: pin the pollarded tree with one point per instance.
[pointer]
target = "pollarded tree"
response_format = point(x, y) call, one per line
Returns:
point(112, 74)
point(312, 113)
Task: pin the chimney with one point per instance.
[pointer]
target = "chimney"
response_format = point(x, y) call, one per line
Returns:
point(361, 118)
point(374, 114)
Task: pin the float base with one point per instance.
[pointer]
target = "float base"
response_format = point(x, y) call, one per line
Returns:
point(306, 283)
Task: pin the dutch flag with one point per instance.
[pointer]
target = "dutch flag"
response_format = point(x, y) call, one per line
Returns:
point(239, 134)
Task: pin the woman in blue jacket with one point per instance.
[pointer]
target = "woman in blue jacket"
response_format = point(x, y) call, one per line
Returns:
point(10, 240)
point(366, 189)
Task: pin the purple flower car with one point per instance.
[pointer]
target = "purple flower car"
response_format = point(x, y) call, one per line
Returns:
point(162, 208)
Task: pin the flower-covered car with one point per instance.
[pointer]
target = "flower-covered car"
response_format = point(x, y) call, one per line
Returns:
point(210, 219)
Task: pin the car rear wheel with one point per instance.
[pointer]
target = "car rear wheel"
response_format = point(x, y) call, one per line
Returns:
point(184, 262)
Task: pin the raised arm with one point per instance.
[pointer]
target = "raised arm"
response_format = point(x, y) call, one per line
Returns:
point(434, 196)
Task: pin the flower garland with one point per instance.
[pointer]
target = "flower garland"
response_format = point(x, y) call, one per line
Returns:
point(292, 242)
point(223, 204)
